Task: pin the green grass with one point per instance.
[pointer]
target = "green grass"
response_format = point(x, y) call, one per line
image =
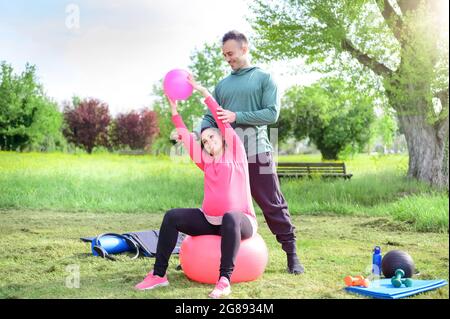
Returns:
point(145, 184)
point(48, 201)
point(97, 183)
point(37, 248)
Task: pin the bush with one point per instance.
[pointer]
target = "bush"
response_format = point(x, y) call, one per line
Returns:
point(87, 124)
point(135, 130)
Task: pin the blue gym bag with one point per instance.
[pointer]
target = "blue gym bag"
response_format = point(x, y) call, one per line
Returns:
point(140, 243)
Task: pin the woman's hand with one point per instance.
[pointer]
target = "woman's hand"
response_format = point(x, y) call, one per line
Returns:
point(173, 106)
point(197, 86)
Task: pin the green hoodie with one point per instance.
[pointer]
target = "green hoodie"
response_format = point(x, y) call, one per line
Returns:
point(252, 94)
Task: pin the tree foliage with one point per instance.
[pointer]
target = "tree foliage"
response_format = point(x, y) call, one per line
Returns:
point(331, 113)
point(28, 118)
point(136, 130)
point(86, 123)
point(402, 44)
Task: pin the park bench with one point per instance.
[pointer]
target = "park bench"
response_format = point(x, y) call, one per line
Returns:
point(297, 169)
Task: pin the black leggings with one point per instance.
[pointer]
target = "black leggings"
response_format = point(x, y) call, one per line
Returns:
point(191, 221)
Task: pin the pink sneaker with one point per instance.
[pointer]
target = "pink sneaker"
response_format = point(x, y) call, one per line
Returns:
point(223, 288)
point(152, 281)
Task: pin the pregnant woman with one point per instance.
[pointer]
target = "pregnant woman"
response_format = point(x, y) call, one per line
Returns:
point(227, 208)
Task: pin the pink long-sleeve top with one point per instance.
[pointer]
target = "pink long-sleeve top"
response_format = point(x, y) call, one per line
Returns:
point(226, 180)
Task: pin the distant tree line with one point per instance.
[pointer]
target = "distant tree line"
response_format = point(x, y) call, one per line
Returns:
point(29, 120)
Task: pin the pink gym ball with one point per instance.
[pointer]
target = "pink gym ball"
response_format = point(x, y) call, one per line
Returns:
point(176, 85)
point(200, 258)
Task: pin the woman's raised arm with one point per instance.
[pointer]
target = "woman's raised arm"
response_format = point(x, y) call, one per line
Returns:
point(193, 147)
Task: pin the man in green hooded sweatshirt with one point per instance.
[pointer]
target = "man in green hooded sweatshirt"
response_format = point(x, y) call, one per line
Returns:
point(249, 101)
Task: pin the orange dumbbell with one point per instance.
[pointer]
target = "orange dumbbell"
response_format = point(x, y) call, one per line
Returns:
point(356, 281)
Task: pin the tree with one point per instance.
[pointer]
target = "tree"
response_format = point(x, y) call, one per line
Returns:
point(331, 113)
point(87, 123)
point(403, 43)
point(28, 118)
point(384, 129)
point(46, 130)
point(135, 129)
point(208, 67)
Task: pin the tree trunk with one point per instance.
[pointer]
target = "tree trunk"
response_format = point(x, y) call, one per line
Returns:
point(426, 150)
point(328, 153)
point(445, 168)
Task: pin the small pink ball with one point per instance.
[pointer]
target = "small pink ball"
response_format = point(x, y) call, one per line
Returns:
point(176, 85)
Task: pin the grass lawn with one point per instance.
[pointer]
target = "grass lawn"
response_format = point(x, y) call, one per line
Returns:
point(48, 201)
point(38, 247)
point(147, 184)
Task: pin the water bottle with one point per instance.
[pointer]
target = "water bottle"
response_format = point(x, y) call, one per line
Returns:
point(376, 261)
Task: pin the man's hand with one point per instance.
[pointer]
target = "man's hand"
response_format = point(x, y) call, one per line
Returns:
point(226, 116)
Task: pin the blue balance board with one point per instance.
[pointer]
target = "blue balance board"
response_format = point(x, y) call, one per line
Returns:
point(383, 288)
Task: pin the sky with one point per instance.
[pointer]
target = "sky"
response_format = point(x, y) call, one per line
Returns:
point(116, 50)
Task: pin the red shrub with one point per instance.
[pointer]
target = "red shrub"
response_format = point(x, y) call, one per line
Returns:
point(137, 130)
point(87, 123)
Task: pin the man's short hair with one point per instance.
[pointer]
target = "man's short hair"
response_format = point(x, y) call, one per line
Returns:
point(235, 35)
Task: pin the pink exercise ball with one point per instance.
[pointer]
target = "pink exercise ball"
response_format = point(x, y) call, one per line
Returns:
point(176, 85)
point(200, 258)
